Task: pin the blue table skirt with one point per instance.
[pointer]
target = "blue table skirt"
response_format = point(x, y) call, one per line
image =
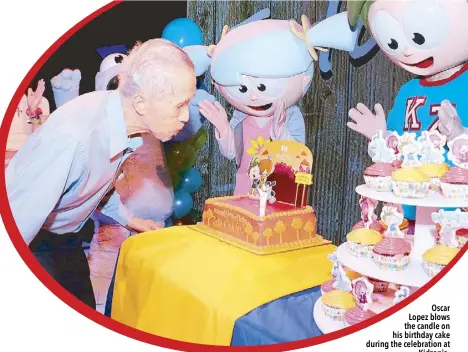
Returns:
point(286, 319)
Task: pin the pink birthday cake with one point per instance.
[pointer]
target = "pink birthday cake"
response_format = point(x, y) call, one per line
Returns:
point(283, 221)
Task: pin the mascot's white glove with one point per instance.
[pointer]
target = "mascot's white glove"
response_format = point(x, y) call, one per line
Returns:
point(449, 122)
point(366, 122)
point(66, 86)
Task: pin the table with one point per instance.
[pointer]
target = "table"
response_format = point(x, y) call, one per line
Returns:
point(286, 311)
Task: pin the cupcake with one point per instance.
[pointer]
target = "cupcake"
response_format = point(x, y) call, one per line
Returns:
point(327, 287)
point(377, 176)
point(436, 258)
point(461, 236)
point(392, 254)
point(454, 184)
point(435, 172)
point(356, 315)
point(335, 304)
point(379, 286)
point(352, 275)
point(362, 241)
point(409, 182)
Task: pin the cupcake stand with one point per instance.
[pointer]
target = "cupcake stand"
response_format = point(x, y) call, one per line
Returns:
point(413, 276)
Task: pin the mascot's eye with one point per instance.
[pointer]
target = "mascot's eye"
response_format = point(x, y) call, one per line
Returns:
point(426, 23)
point(243, 89)
point(118, 59)
point(419, 39)
point(261, 87)
point(113, 83)
point(393, 44)
point(389, 33)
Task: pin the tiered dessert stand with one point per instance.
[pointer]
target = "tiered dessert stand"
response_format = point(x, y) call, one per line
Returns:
point(413, 276)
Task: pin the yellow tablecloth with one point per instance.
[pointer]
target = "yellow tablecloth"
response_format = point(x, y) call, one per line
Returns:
point(184, 285)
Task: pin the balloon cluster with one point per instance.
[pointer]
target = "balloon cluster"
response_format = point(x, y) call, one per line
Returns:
point(186, 180)
point(181, 152)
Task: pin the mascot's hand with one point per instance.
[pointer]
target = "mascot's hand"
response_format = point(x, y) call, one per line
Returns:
point(215, 113)
point(366, 122)
point(279, 121)
point(449, 122)
point(196, 119)
point(66, 86)
point(34, 97)
point(201, 95)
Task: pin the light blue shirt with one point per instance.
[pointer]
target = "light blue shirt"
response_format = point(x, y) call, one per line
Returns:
point(59, 177)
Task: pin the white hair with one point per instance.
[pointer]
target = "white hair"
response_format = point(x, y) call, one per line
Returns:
point(151, 66)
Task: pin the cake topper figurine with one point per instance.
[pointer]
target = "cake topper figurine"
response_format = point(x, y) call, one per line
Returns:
point(401, 294)
point(368, 207)
point(458, 151)
point(392, 143)
point(410, 150)
point(254, 175)
point(379, 149)
point(393, 219)
point(362, 291)
point(450, 222)
point(340, 279)
point(432, 143)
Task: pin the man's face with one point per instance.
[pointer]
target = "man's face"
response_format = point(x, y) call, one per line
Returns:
point(167, 116)
point(424, 37)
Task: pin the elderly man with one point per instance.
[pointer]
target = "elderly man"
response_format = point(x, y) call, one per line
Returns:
point(59, 177)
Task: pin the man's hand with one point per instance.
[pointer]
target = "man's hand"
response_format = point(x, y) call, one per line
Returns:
point(366, 122)
point(143, 225)
point(449, 121)
point(215, 113)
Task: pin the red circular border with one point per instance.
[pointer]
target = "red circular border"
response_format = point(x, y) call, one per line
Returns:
point(97, 317)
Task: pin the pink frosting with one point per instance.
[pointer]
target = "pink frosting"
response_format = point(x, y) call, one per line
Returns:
point(397, 163)
point(356, 315)
point(328, 286)
point(456, 175)
point(377, 226)
point(379, 169)
point(391, 246)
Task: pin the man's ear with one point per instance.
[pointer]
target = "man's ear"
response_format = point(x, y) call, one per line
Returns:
point(306, 83)
point(139, 104)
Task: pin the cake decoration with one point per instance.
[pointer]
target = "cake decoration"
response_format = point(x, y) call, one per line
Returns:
point(402, 293)
point(410, 150)
point(380, 151)
point(450, 222)
point(377, 176)
point(432, 157)
point(454, 183)
point(362, 291)
point(393, 219)
point(458, 151)
point(432, 147)
point(368, 217)
point(274, 215)
point(340, 279)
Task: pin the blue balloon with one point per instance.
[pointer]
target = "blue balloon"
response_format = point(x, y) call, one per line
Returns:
point(190, 180)
point(169, 222)
point(183, 204)
point(183, 32)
